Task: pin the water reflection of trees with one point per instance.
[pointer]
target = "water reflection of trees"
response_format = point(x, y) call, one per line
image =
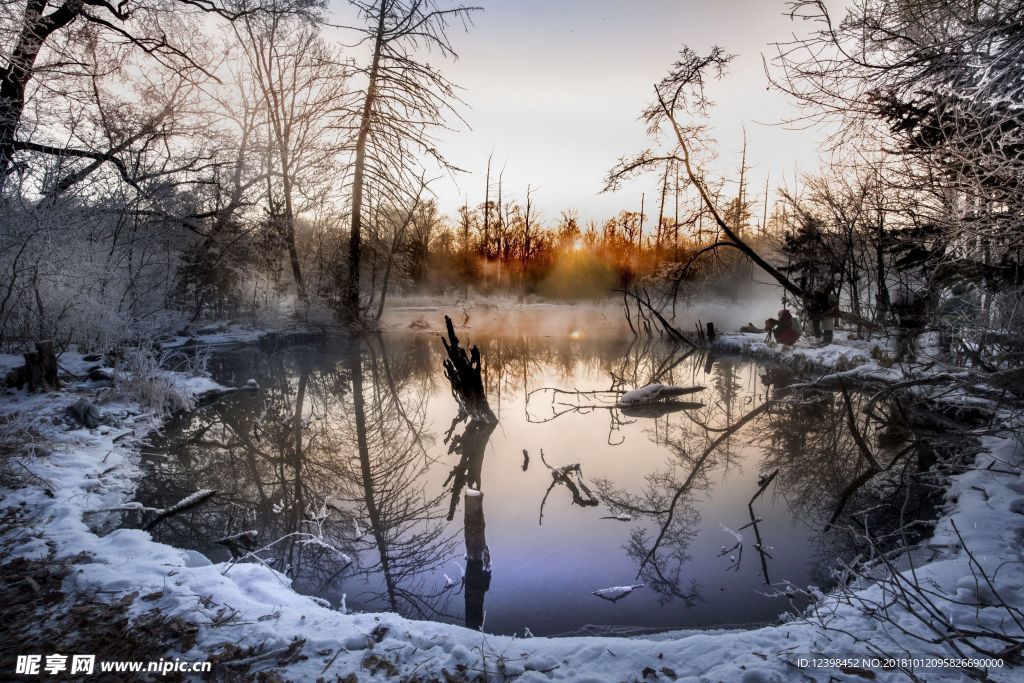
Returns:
point(331, 460)
point(637, 364)
point(845, 465)
point(830, 459)
point(669, 502)
point(328, 462)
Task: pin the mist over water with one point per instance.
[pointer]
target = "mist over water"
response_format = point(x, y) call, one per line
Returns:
point(751, 302)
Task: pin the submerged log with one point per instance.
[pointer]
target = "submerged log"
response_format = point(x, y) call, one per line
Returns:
point(652, 393)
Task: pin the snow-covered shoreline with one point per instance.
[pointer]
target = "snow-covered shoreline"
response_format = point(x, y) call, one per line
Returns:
point(247, 613)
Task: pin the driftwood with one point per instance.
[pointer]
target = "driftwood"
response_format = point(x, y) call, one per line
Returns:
point(653, 393)
point(581, 495)
point(616, 593)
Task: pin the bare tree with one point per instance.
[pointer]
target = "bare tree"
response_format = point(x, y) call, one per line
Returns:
point(302, 85)
point(404, 100)
point(681, 93)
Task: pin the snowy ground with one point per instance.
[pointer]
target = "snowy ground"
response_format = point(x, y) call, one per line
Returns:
point(251, 621)
point(808, 352)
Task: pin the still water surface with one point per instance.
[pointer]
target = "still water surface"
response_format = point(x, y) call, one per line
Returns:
point(340, 462)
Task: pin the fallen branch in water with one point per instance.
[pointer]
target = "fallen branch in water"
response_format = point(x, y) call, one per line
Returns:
point(765, 482)
point(616, 593)
point(194, 500)
point(581, 495)
point(671, 331)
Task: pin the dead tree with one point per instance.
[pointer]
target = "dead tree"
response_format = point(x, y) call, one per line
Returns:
point(683, 90)
point(404, 102)
point(463, 372)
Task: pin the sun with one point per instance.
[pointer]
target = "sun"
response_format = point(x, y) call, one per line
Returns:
point(577, 245)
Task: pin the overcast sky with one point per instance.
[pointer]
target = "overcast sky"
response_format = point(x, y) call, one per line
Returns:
point(555, 88)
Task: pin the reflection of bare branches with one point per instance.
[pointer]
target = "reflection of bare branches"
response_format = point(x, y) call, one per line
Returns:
point(598, 400)
point(470, 445)
point(581, 495)
point(694, 472)
point(668, 500)
point(407, 539)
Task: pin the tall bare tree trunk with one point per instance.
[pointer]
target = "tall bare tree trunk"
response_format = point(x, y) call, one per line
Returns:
point(487, 210)
point(661, 211)
point(350, 306)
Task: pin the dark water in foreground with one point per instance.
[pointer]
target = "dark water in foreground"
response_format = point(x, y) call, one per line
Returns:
point(293, 464)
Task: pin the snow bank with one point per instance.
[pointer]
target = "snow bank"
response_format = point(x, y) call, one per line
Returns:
point(807, 353)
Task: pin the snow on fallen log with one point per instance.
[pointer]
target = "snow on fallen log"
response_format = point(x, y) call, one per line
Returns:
point(133, 506)
point(652, 393)
point(184, 504)
point(616, 593)
point(316, 542)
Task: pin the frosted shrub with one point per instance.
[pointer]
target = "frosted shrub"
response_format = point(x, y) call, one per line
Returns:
point(145, 375)
point(22, 438)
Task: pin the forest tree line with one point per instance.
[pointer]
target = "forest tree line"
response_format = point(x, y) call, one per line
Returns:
point(166, 162)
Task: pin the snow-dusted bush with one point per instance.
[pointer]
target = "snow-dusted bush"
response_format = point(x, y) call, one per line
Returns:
point(143, 374)
point(21, 438)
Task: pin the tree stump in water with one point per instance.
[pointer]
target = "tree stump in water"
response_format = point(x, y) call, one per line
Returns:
point(478, 561)
point(463, 372)
point(476, 539)
point(40, 368)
